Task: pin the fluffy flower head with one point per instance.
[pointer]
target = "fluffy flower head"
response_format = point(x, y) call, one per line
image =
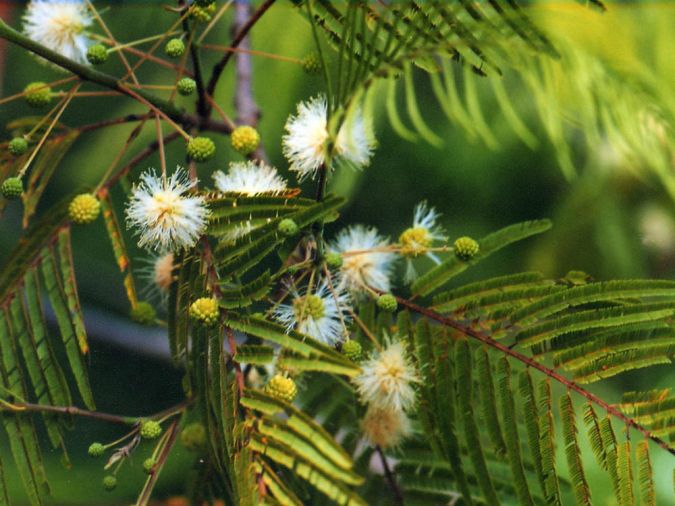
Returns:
point(59, 25)
point(418, 239)
point(321, 314)
point(365, 261)
point(386, 379)
point(166, 218)
point(385, 427)
point(250, 178)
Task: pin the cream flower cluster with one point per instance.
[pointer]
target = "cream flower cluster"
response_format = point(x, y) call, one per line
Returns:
point(60, 25)
point(250, 178)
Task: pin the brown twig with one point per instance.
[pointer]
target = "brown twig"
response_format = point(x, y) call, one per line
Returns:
point(391, 479)
point(570, 385)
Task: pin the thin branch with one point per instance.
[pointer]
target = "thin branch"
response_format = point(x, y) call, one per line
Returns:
point(571, 385)
point(391, 479)
point(166, 445)
point(202, 104)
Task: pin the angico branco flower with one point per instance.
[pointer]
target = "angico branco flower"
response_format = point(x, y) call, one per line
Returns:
point(165, 218)
point(385, 427)
point(366, 258)
point(322, 314)
point(420, 238)
point(386, 379)
point(59, 25)
point(250, 178)
point(305, 144)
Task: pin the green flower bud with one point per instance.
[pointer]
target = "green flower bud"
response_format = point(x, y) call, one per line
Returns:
point(352, 350)
point(311, 63)
point(387, 302)
point(37, 94)
point(109, 483)
point(287, 227)
point(143, 313)
point(174, 48)
point(84, 209)
point(245, 139)
point(148, 465)
point(12, 188)
point(193, 436)
point(97, 54)
point(203, 13)
point(96, 450)
point(205, 310)
point(18, 146)
point(186, 86)
point(466, 248)
point(334, 260)
point(150, 429)
point(282, 388)
point(201, 149)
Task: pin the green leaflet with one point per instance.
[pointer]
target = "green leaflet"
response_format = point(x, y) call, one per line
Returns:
point(245, 295)
point(582, 493)
point(625, 469)
point(505, 399)
point(491, 243)
point(70, 288)
point(254, 354)
point(4, 498)
point(531, 421)
point(610, 448)
point(278, 488)
point(186, 269)
point(488, 404)
point(645, 475)
point(547, 445)
point(471, 435)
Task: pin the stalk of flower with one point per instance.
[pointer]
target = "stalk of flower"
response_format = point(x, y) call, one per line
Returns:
point(59, 25)
point(321, 314)
point(387, 379)
point(420, 238)
point(367, 260)
point(164, 217)
point(306, 143)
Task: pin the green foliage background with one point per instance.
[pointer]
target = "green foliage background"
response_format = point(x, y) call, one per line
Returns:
point(597, 215)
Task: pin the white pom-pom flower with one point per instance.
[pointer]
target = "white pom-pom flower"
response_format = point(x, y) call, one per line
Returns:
point(305, 144)
point(385, 427)
point(158, 273)
point(250, 178)
point(366, 258)
point(386, 379)
point(166, 219)
point(59, 25)
point(322, 314)
point(420, 238)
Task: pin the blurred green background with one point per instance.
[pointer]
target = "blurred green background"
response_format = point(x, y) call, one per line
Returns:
point(609, 222)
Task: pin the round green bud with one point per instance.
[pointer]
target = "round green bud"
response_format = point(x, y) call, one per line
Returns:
point(150, 429)
point(193, 436)
point(96, 450)
point(201, 149)
point(352, 350)
point(334, 260)
point(174, 48)
point(466, 248)
point(186, 86)
point(245, 139)
point(84, 209)
point(387, 302)
point(203, 13)
point(109, 482)
point(311, 63)
point(97, 54)
point(149, 465)
point(205, 310)
point(12, 188)
point(18, 146)
point(287, 227)
point(143, 313)
point(37, 94)
point(282, 388)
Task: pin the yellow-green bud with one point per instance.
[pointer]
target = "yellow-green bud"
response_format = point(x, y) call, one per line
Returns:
point(193, 436)
point(84, 209)
point(201, 149)
point(12, 188)
point(311, 63)
point(143, 313)
point(205, 310)
point(18, 146)
point(186, 86)
point(387, 302)
point(97, 54)
point(149, 465)
point(334, 260)
point(37, 94)
point(466, 248)
point(174, 48)
point(282, 388)
point(203, 13)
point(96, 450)
point(287, 227)
point(150, 429)
point(109, 482)
point(245, 139)
point(352, 350)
